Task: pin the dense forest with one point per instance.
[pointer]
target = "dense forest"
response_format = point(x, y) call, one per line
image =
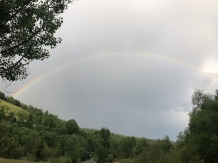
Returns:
point(37, 135)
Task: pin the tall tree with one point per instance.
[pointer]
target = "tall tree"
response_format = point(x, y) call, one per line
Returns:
point(105, 135)
point(165, 144)
point(72, 127)
point(29, 122)
point(141, 145)
point(72, 146)
point(126, 147)
point(2, 96)
point(26, 28)
point(11, 100)
point(200, 140)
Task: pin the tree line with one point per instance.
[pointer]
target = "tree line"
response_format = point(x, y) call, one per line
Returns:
point(43, 136)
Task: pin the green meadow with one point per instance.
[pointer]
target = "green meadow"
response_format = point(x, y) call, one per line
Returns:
point(13, 108)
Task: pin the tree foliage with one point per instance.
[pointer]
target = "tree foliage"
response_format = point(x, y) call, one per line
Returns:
point(72, 146)
point(43, 136)
point(200, 140)
point(26, 28)
point(72, 127)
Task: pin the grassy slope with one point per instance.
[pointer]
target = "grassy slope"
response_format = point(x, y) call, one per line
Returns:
point(13, 108)
point(2, 160)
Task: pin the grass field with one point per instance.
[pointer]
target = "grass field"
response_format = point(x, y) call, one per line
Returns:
point(2, 160)
point(13, 108)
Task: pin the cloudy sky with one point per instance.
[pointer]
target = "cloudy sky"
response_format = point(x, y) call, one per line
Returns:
point(128, 65)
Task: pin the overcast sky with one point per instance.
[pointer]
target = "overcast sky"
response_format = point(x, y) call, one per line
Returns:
point(128, 65)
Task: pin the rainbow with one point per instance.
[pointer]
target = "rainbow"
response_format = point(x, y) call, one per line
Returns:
point(157, 56)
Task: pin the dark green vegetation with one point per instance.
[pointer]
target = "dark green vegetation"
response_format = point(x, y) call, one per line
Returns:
point(40, 136)
point(26, 28)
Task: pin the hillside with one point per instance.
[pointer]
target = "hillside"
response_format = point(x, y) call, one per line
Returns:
point(13, 108)
point(16, 110)
point(32, 134)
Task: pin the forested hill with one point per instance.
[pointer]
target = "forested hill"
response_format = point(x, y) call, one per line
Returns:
point(28, 132)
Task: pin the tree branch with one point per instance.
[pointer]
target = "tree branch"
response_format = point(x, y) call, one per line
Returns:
point(12, 16)
point(23, 42)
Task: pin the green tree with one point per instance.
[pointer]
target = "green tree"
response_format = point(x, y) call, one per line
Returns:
point(126, 147)
point(32, 143)
point(21, 118)
point(102, 153)
point(10, 116)
point(11, 100)
point(141, 145)
point(29, 122)
point(165, 144)
point(2, 96)
point(105, 135)
point(17, 103)
point(72, 127)
point(72, 146)
point(200, 140)
point(3, 144)
point(38, 120)
point(4, 130)
point(154, 154)
point(51, 121)
point(48, 152)
point(83, 149)
point(2, 114)
point(12, 149)
point(49, 138)
point(94, 141)
point(26, 28)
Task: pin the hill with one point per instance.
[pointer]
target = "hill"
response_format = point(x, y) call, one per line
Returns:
point(32, 134)
point(13, 108)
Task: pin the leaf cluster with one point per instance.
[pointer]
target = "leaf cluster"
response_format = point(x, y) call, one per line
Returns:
point(26, 28)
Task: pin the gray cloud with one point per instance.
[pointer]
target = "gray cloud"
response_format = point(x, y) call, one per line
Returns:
point(130, 94)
